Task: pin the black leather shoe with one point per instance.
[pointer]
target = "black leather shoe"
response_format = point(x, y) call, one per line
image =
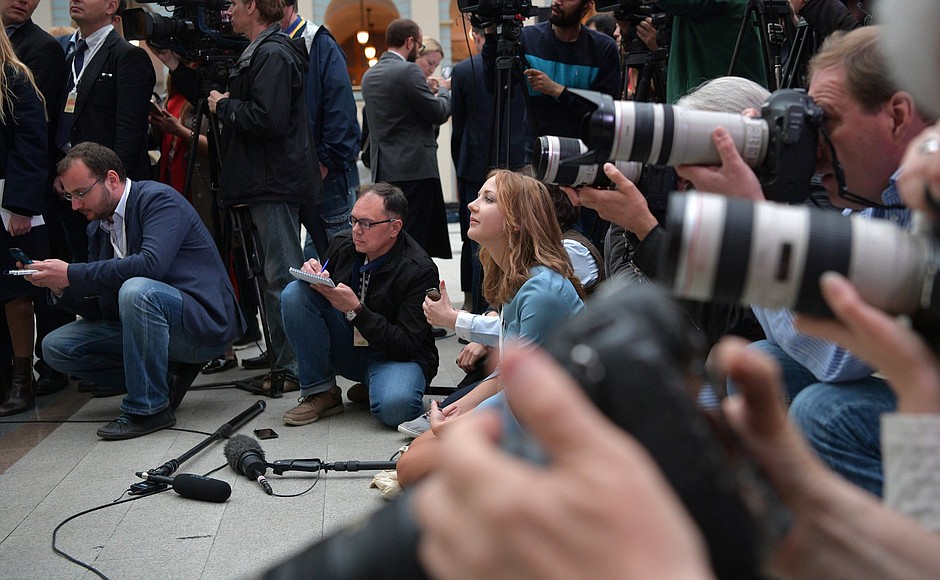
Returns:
point(50, 380)
point(180, 378)
point(248, 339)
point(85, 386)
point(218, 365)
point(100, 391)
point(128, 426)
point(256, 362)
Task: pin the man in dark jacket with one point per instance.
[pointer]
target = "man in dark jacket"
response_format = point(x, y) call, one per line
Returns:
point(267, 159)
point(334, 128)
point(371, 326)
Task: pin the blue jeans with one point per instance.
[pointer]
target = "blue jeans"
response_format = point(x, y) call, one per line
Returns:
point(323, 340)
point(841, 421)
point(332, 214)
point(279, 249)
point(133, 353)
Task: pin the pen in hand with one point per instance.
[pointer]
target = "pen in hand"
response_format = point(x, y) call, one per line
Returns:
point(324, 265)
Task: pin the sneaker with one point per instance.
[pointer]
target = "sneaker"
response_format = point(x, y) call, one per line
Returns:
point(315, 407)
point(358, 393)
point(417, 426)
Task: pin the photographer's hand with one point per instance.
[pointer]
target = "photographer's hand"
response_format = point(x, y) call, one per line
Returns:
point(646, 32)
point(214, 98)
point(541, 82)
point(624, 206)
point(166, 56)
point(920, 178)
point(485, 514)
point(912, 370)
point(838, 530)
point(733, 177)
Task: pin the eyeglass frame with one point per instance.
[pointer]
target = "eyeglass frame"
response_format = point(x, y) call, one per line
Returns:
point(70, 196)
point(362, 222)
point(421, 45)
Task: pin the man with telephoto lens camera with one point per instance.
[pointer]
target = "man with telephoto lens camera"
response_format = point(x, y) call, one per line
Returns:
point(836, 400)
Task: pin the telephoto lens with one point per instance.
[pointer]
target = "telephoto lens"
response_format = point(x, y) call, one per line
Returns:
point(772, 255)
point(549, 165)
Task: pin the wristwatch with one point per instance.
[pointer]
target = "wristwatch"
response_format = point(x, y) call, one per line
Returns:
point(351, 314)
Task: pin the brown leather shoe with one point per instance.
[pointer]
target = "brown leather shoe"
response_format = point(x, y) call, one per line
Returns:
point(358, 393)
point(315, 407)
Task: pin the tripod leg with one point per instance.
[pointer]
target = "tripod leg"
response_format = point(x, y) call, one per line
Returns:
point(243, 230)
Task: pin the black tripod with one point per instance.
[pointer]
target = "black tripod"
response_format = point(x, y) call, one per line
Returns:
point(238, 229)
point(509, 58)
point(773, 23)
point(650, 80)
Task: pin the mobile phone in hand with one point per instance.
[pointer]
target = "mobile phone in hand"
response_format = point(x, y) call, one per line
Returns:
point(20, 256)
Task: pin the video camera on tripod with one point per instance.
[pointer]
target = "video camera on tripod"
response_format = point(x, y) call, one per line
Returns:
point(485, 12)
point(198, 31)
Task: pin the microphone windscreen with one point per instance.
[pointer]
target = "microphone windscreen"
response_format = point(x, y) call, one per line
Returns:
point(201, 488)
point(236, 447)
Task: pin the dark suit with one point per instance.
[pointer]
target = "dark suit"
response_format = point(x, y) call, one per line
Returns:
point(44, 57)
point(113, 96)
point(402, 114)
point(166, 243)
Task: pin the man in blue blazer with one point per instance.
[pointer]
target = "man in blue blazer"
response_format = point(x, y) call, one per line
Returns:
point(153, 297)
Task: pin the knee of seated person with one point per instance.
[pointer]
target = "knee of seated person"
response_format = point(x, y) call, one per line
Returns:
point(52, 347)
point(394, 413)
point(133, 290)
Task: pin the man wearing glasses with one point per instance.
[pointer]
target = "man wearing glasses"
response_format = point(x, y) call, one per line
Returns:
point(402, 117)
point(155, 299)
point(371, 327)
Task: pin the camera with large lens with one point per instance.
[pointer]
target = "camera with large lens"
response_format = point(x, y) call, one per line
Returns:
point(485, 12)
point(730, 250)
point(197, 31)
point(549, 168)
point(780, 144)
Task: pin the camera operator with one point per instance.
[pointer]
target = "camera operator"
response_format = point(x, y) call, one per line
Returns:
point(267, 159)
point(824, 16)
point(704, 34)
point(561, 54)
point(836, 400)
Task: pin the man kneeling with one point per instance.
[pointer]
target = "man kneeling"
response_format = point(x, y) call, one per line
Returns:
point(154, 300)
point(371, 326)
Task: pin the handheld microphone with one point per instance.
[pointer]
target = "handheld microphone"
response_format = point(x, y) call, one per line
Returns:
point(314, 465)
point(193, 486)
point(244, 455)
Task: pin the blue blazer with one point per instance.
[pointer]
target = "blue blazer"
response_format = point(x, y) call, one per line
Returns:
point(167, 242)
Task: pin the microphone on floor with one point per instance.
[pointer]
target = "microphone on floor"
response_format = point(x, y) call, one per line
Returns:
point(245, 455)
point(193, 486)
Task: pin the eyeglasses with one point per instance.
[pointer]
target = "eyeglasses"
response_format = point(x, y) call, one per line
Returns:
point(420, 45)
point(79, 195)
point(367, 224)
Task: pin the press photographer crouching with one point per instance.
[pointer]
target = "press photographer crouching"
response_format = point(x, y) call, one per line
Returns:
point(267, 157)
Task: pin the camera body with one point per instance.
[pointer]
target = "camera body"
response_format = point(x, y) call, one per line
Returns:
point(198, 31)
point(485, 12)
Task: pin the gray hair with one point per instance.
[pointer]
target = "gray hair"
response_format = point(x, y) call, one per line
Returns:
point(725, 95)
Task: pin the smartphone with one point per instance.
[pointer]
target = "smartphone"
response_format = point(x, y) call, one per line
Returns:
point(20, 256)
point(265, 434)
point(157, 110)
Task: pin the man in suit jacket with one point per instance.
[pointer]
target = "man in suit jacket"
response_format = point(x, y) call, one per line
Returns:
point(402, 113)
point(155, 299)
point(108, 88)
